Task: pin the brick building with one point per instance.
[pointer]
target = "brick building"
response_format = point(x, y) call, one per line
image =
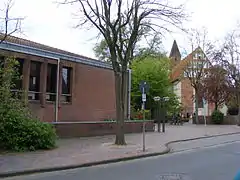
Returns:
point(181, 84)
point(86, 86)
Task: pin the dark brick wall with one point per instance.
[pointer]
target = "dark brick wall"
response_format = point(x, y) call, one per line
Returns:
point(92, 88)
point(93, 96)
point(65, 130)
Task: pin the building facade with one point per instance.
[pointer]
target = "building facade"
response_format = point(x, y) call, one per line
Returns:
point(86, 87)
point(181, 84)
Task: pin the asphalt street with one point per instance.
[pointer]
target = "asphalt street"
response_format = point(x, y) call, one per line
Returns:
point(200, 143)
point(219, 162)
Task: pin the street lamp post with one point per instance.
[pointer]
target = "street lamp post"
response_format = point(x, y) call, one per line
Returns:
point(157, 99)
point(161, 100)
point(164, 99)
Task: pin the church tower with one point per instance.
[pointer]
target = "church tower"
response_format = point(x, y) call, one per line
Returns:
point(175, 55)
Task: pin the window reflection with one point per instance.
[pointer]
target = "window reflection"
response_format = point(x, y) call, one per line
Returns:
point(66, 77)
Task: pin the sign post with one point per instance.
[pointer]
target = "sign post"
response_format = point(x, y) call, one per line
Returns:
point(204, 111)
point(144, 87)
point(164, 99)
point(157, 99)
point(143, 108)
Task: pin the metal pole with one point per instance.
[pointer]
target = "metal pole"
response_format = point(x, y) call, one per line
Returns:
point(143, 108)
point(204, 112)
point(163, 123)
point(57, 91)
point(158, 116)
point(129, 93)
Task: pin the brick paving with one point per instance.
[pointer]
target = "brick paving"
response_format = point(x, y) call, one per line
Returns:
point(78, 151)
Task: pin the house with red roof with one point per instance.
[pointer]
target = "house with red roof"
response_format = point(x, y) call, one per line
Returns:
point(181, 83)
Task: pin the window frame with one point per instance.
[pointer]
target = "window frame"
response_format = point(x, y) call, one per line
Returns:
point(35, 92)
point(51, 91)
point(66, 96)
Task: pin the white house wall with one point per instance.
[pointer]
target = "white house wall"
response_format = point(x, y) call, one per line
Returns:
point(177, 89)
point(224, 109)
point(201, 111)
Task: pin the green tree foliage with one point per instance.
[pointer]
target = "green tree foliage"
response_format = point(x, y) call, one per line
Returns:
point(19, 129)
point(102, 52)
point(153, 47)
point(154, 70)
point(217, 117)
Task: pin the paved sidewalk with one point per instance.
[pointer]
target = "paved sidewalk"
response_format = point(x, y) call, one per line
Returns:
point(79, 151)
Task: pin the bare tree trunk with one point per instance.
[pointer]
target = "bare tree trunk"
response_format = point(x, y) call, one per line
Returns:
point(216, 106)
point(196, 106)
point(120, 91)
point(126, 96)
point(238, 99)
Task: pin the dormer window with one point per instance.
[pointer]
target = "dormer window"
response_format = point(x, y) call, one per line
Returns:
point(199, 56)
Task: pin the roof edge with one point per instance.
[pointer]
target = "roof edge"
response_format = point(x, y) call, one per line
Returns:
point(5, 45)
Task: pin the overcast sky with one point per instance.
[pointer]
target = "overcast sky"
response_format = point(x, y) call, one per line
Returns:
point(52, 25)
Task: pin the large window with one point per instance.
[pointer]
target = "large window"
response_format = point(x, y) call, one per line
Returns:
point(34, 80)
point(51, 82)
point(66, 77)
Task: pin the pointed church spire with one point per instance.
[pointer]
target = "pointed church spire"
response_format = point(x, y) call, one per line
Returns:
point(175, 53)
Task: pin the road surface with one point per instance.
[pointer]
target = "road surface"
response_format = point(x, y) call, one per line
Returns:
point(219, 162)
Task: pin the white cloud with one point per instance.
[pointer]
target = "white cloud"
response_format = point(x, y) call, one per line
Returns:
point(50, 24)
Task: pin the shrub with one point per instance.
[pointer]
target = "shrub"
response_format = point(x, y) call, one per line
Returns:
point(133, 113)
point(139, 115)
point(217, 117)
point(232, 111)
point(19, 130)
point(148, 114)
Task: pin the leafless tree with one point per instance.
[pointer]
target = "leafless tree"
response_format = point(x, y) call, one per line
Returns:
point(215, 86)
point(229, 58)
point(9, 25)
point(111, 18)
point(197, 62)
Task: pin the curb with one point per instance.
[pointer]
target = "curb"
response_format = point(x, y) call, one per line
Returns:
point(193, 139)
point(61, 168)
point(201, 137)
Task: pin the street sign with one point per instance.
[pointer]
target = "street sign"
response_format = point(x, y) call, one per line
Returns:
point(144, 87)
point(166, 99)
point(156, 98)
point(144, 98)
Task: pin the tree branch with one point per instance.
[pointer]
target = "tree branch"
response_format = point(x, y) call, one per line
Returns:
point(6, 31)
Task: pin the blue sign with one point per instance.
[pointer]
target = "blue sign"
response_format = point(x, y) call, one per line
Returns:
point(144, 87)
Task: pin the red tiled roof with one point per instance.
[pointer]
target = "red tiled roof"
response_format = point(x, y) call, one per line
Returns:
point(178, 70)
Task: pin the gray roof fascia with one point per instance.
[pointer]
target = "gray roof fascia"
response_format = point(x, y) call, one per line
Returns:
point(52, 55)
